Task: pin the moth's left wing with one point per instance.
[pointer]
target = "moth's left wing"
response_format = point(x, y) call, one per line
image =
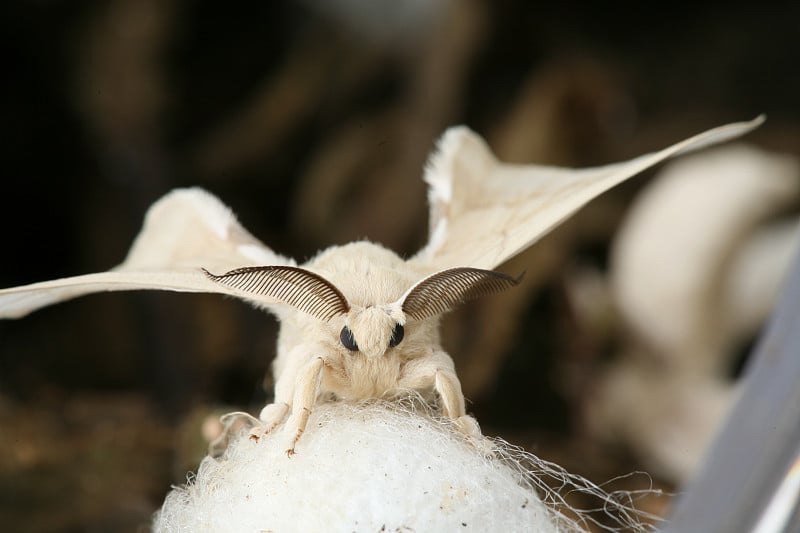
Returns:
point(483, 212)
point(183, 232)
point(17, 302)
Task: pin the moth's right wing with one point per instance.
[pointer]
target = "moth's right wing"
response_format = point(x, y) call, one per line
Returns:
point(484, 212)
point(184, 232)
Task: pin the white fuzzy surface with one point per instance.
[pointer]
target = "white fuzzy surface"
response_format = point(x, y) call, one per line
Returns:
point(386, 466)
point(364, 467)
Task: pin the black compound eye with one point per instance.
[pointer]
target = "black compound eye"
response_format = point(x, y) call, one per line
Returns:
point(397, 335)
point(348, 341)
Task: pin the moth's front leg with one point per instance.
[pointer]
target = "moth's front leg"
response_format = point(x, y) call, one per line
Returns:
point(438, 372)
point(305, 396)
point(274, 414)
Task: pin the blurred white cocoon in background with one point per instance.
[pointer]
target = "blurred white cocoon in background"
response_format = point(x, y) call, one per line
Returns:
point(695, 270)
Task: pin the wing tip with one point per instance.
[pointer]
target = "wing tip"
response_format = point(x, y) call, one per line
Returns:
point(455, 143)
point(216, 215)
point(718, 135)
point(759, 120)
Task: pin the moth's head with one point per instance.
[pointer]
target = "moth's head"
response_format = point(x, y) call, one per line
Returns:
point(371, 330)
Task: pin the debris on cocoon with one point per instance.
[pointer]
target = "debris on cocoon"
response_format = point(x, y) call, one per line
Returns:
point(373, 466)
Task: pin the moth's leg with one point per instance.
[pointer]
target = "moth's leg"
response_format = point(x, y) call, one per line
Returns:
point(274, 414)
point(306, 389)
point(437, 372)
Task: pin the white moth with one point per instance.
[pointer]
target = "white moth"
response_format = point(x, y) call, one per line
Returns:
point(357, 321)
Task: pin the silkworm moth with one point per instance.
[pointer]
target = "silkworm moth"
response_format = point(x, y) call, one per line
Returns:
point(357, 321)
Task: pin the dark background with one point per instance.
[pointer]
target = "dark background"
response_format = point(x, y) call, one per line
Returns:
point(314, 124)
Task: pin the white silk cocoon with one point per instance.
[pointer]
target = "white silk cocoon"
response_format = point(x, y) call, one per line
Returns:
point(358, 467)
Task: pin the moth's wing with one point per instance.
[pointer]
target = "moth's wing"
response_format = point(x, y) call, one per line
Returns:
point(483, 212)
point(191, 228)
point(17, 302)
point(186, 230)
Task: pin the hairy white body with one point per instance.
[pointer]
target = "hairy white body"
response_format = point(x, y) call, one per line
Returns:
point(312, 363)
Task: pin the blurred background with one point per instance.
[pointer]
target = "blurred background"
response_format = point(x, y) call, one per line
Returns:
point(313, 120)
